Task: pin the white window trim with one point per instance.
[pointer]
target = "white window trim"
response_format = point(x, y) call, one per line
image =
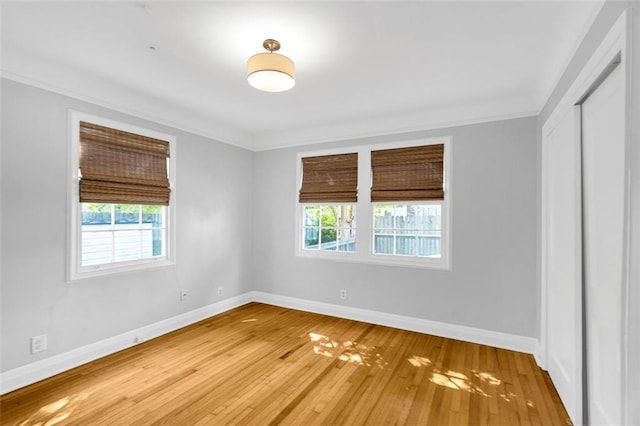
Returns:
point(364, 209)
point(75, 270)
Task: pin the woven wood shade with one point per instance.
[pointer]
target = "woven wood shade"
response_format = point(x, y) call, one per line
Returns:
point(408, 174)
point(330, 178)
point(121, 167)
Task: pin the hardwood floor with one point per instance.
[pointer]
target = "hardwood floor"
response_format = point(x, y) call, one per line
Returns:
point(260, 364)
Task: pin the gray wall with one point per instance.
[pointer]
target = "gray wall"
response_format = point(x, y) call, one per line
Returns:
point(219, 188)
point(214, 238)
point(492, 284)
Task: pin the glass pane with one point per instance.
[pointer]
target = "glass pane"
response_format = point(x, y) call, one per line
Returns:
point(327, 235)
point(345, 215)
point(311, 236)
point(96, 214)
point(127, 214)
point(96, 246)
point(399, 216)
point(151, 241)
point(383, 243)
point(329, 217)
point(126, 245)
point(347, 240)
point(350, 218)
point(311, 215)
point(382, 216)
point(406, 245)
point(347, 234)
point(429, 246)
point(153, 215)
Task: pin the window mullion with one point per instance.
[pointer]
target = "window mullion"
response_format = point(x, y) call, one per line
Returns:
point(140, 233)
point(364, 212)
point(113, 232)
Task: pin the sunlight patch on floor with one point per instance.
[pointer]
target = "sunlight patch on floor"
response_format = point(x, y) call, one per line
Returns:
point(419, 361)
point(55, 412)
point(477, 382)
point(347, 351)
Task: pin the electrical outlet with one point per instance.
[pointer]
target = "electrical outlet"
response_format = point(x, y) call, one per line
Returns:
point(343, 294)
point(220, 291)
point(184, 294)
point(38, 343)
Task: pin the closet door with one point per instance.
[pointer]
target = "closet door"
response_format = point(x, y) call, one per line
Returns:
point(603, 145)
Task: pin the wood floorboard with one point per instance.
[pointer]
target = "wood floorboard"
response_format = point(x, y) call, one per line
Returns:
point(261, 364)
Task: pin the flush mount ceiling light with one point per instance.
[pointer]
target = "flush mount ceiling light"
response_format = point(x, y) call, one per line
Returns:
point(271, 72)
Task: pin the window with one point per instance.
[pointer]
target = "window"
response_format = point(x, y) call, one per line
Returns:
point(121, 214)
point(408, 175)
point(328, 190)
point(401, 192)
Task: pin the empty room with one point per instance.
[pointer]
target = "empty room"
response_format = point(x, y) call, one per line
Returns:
point(320, 213)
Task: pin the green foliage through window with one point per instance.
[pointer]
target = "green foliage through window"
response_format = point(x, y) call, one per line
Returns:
point(329, 227)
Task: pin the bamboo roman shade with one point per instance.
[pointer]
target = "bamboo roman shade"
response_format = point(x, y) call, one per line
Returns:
point(408, 174)
point(330, 179)
point(122, 167)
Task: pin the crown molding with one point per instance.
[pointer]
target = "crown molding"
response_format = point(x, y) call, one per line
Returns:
point(402, 123)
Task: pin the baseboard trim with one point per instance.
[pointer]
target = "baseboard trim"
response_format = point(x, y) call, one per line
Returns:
point(512, 342)
point(34, 372)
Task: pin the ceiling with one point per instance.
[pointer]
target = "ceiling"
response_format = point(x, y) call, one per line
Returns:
point(363, 68)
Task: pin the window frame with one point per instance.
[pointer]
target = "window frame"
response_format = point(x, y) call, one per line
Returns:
point(364, 209)
point(75, 269)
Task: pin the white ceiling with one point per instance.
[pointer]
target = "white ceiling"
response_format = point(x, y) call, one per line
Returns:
point(363, 68)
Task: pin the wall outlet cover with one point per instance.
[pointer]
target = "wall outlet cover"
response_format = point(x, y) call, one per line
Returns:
point(38, 343)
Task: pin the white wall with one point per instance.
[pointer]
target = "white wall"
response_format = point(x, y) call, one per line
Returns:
point(633, 354)
point(214, 235)
point(492, 284)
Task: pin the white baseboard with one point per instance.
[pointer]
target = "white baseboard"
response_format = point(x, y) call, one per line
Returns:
point(512, 342)
point(539, 356)
point(27, 374)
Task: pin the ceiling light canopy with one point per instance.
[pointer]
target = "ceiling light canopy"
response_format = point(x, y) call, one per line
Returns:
point(271, 72)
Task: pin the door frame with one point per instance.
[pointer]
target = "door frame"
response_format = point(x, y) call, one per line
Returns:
point(561, 376)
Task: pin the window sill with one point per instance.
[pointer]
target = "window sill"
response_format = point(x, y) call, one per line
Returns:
point(402, 261)
point(106, 270)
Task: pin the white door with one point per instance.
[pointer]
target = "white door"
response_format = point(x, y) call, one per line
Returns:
point(603, 144)
point(563, 259)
